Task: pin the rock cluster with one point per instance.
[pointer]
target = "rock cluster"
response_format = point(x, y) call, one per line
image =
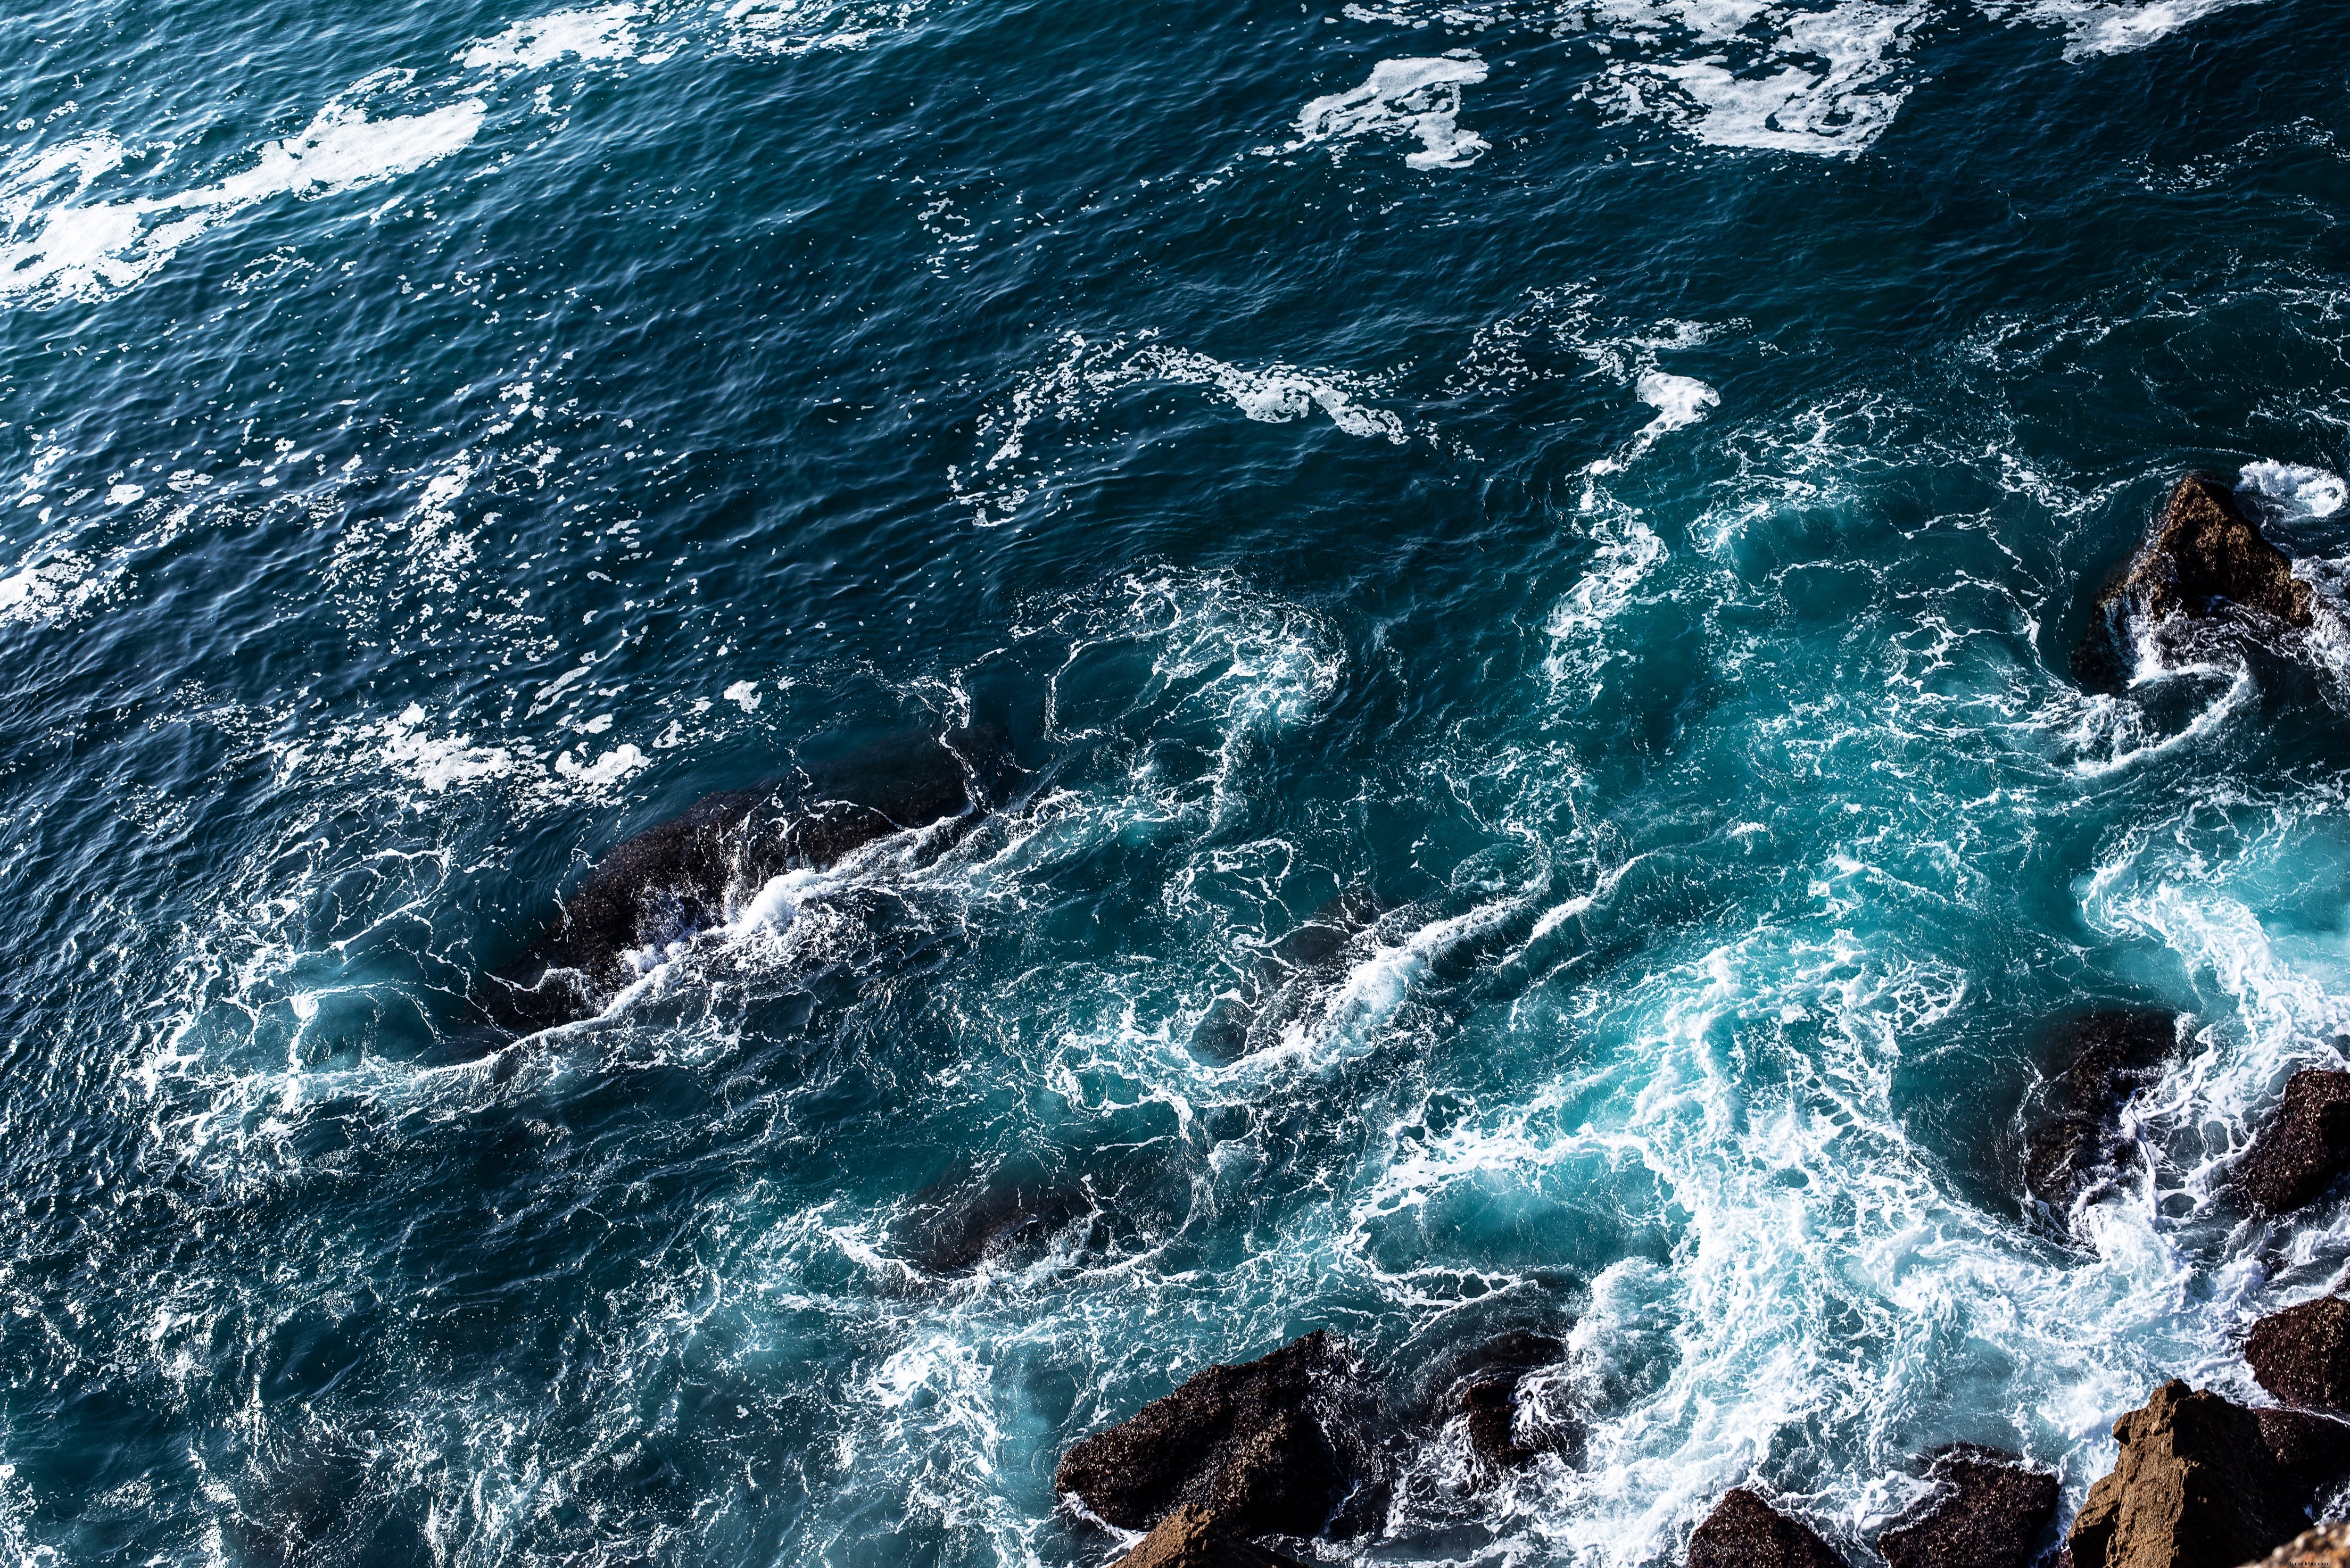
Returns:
point(2205, 1483)
point(1191, 1538)
point(1486, 1397)
point(2298, 1154)
point(2204, 552)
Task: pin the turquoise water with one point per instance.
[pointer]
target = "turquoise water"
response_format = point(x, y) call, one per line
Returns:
point(1604, 491)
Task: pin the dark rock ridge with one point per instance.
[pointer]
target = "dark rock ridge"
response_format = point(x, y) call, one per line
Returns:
point(675, 878)
point(2204, 552)
point(1189, 1538)
point(2205, 1483)
point(2077, 1149)
point(2298, 1154)
point(2302, 1355)
point(1486, 1397)
point(1988, 1511)
point(1745, 1532)
point(1265, 1448)
point(1292, 971)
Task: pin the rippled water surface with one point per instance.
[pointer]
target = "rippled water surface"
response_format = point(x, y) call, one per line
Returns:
point(1593, 498)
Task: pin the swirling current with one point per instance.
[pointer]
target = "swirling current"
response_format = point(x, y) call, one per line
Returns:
point(1589, 501)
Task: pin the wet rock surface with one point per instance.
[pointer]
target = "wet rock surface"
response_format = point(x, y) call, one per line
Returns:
point(1189, 1538)
point(2076, 1148)
point(2205, 1483)
point(2327, 1546)
point(2302, 1355)
point(1745, 1532)
point(1267, 1447)
point(675, 878)
point(1989, 1511)
point(2205, 552)
point(1253, 1014)
point(2297, 1155)
point(1487, 1396)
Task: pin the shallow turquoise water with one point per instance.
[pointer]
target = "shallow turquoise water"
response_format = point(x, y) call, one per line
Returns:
point(1615, 484)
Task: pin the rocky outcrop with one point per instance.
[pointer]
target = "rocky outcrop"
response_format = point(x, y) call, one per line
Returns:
point(676, 878)
point(2327, 1546)
point(1265, 1448)
point(2302, 1355)
point(2078, 1149)
point(1486, 1397)
point(1988, 1511)
point(2204, 552)
point(2205, 1483)
point(1189, 1538)
point(2298, 1154)
point(1253, 1014)
point(1745, 1532)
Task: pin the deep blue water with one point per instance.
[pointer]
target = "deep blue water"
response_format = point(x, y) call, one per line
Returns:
point(1614, 483)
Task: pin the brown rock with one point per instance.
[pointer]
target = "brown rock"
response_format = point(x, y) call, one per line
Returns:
point(1745, 1532)
point(1487, 1396)
point(1187, 1538)
point(2200, 1485)
point(2076, 1150)
point(2302, 1355)
point(1259, 1447)
point(2327, 1546)
point(2300, 1153)
point(2205, 551)
point(1988, 1512)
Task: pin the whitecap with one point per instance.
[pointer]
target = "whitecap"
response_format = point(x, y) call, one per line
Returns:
point(1419, 97)
point(2295, 490)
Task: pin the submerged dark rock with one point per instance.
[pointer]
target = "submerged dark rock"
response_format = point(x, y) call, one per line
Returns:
point(1285, 981)
point(2204, 552)
point(676, 878)
point(1262, 1447)
point(2078, 1149)
point(2302, 1355)
point(1487, 1396)
point(1189, 1538)
point(2205, 1483)
point(1988, 1511)
point(2298, 1154)
point(1745, 1532)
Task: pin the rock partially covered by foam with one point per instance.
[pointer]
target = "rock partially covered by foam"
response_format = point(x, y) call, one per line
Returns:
point(2205, 552)
point(2205, 1483)
point(2300, 1153)
point(1745, 1532)
point(1265, 1448)
point(2302, 1355)
point(1987, 1510)
point(1486, 1398)
point(2078, 1148)
point(1189, 1538)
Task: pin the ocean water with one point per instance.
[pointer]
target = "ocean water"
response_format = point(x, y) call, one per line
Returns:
point(1602, 492)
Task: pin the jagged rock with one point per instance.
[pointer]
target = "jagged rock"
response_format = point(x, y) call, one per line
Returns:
point(2302, 1355)
point(2078, 1149)
point(1251, 1016)
point(675, 878)
point(2327, 1546)
point(1487, 1396)
point(2205, 1483)
point(1265, 1448)
point(2300, 1153)
point(2204, 552)
point(1745, 1532)
point(1988, 1511)
point(1189, 1538)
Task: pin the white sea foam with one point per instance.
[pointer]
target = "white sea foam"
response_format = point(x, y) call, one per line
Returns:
point(2296, 491)
point(57, 589)
point(1408, 97)
point(586, 33)
point(2108, 27)
point(84, 251)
